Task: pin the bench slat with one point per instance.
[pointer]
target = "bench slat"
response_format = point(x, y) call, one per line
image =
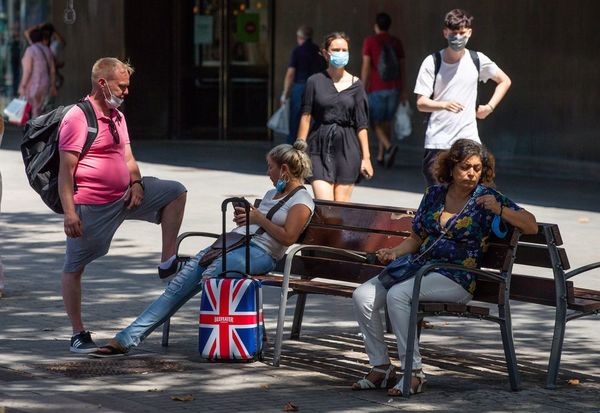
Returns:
point(349, 239)
point(369, 217)
point(540, 238)
point(538, 256)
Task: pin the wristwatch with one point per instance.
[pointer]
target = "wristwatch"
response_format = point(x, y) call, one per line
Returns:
point(138, 181)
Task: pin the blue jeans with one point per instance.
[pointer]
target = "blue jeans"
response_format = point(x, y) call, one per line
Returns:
point(296, 95)
point(383, 105)
point(186, 284)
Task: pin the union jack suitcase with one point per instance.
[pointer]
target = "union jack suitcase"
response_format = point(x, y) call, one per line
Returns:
point(231, 319)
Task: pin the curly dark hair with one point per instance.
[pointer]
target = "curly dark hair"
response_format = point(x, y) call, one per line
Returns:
point(463, 149)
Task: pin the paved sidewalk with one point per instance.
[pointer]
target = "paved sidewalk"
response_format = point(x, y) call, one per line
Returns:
point(463, 359)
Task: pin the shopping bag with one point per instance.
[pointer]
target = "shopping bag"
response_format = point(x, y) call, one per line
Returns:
point(279, 122)
point(402, 123)
point(18, 111)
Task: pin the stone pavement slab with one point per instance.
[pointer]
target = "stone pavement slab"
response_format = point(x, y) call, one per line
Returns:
point(464, 358)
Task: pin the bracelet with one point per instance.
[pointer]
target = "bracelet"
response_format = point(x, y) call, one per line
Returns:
point(138, 181)
point(491, 107)
point(501, 209)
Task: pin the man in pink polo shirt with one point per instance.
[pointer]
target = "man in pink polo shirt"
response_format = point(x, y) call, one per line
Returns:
point(104, 188)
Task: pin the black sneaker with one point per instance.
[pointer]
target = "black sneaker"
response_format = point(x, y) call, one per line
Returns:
point(83, 343)
point(168, 274)
point(389, 156)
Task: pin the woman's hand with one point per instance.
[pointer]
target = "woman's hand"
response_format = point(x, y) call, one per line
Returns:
point(239, 216)
point(490, 203)
point(366, 169)
point(386, 255)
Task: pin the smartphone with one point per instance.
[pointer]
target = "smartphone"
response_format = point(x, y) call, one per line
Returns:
point(365, 174)
point(239, 204)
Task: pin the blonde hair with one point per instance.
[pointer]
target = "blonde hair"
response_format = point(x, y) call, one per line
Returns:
point(105, 67)
point(295, 157)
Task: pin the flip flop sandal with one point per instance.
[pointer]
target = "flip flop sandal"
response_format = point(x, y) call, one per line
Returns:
point(386, 381)
point(110, 352)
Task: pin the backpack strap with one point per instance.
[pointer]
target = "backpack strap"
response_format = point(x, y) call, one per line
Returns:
point(92, 122)
point(437, 62)
point(92, 131)
point(475, 59)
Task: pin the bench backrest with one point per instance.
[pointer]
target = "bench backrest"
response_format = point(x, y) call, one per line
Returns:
point(354, 227)
point(367, 228)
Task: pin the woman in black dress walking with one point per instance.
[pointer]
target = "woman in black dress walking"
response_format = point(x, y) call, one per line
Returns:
point(337, 140)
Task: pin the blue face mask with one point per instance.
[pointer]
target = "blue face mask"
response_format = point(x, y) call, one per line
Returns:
point(339, 59)
point(280, 185)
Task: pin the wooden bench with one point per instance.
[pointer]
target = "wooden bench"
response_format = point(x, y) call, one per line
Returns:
point(330, 260)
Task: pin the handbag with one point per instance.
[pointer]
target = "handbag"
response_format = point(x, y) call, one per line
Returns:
point(279, 122)
point(234, 239)
point(17, 111)
point(406, 266)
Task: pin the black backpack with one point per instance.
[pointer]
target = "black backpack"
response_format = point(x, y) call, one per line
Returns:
point(389, 65)
point(41, 155)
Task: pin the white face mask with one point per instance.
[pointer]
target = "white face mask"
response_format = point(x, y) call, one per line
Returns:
point(113, 102)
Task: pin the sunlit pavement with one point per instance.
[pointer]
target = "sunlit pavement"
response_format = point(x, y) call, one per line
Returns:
point(463, 359)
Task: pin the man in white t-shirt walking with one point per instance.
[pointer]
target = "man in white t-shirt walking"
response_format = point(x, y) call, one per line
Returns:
point(449, 91)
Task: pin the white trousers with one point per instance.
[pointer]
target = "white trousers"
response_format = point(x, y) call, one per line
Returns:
point(370, 298)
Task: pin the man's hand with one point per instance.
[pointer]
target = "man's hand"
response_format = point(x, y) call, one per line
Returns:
point(134, 196)
point(454, 107)
point(483, 111)
point(73, 227)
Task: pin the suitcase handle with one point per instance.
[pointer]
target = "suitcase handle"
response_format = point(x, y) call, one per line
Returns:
point(224, 213)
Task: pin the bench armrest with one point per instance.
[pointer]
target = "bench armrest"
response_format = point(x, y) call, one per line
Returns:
point(185, 235)
point(339, 251)
point(581, 270)
point(475, 271)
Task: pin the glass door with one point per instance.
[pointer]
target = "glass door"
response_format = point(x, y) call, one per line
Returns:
point(225, 71)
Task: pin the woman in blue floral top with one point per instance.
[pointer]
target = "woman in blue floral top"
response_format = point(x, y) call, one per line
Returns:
point(462, 207)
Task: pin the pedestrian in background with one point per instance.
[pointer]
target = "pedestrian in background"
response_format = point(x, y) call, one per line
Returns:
point(338, 141)
point(383, 74)
point(450, 92)
point(305, 61)
point(39, 75)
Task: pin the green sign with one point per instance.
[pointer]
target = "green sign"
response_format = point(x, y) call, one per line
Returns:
point(247, 27)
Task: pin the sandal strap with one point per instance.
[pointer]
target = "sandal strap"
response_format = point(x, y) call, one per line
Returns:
point(366, 384)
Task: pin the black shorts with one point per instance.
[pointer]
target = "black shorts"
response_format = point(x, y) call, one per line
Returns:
point(335, 154)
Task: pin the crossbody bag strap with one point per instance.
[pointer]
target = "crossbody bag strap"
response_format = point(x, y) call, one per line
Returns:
point(278, 206)
point(445, 229)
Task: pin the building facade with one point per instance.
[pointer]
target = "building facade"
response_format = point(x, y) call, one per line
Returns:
point(213, 69)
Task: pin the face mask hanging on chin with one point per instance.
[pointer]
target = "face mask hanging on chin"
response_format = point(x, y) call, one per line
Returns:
point(112, 101)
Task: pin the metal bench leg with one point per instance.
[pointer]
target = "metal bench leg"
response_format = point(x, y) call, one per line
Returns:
point(557, 344)
point(165, 333)
point(509, 348)
point(298, 316)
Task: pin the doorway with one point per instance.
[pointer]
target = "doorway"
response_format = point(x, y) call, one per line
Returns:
point(224, 75)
